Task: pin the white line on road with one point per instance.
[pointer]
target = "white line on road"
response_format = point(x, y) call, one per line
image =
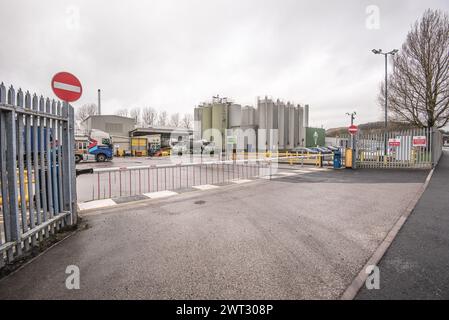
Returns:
point(287, 173)
point(240, 181)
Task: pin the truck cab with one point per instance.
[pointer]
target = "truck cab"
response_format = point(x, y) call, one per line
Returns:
point(96, 147)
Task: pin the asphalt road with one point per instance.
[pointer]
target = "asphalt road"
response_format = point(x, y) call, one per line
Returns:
point(297, 237)
point(416, 266)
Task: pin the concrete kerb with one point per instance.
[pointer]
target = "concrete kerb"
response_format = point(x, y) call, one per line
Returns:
point(356, 284)
point(192, 191)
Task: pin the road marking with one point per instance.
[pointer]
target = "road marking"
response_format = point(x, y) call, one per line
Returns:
point(302, 171)
point(160, 194)
point(96, 204)
point(67, 87)
point(287, 173)
point(205, 187)
point(240, 181)
point(318, 169)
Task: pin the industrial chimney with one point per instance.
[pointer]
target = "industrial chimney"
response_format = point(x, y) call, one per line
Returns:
point(99, 102)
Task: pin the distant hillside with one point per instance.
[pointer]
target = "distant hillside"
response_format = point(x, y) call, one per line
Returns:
point(371, 126)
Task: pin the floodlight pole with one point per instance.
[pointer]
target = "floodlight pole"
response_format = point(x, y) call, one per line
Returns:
point(392, 52)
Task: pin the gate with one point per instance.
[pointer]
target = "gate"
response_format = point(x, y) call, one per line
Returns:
point(410, 148)
point(37, 173)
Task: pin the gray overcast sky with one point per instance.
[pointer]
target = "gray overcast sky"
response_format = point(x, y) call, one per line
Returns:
point(172, 55)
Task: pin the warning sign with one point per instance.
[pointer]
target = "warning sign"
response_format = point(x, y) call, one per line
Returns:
point(420, 141)
point(394, 142)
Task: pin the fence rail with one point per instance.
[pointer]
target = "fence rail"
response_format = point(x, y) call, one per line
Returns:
point(36, 170)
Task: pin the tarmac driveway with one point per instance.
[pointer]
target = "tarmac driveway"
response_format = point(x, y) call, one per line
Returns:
point(298, 237)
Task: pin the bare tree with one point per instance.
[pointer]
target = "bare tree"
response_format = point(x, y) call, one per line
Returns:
point(175, 120)
point(135, 114)
point(187, 121)
point(149, 117)
point(162, 119)
point(418, 88)
point(86, 111)
point(122, 112)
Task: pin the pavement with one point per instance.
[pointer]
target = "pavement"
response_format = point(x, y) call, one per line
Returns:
point(301, 236)
point(416, 264)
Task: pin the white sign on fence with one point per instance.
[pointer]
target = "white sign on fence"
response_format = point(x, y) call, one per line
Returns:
point(420, 141)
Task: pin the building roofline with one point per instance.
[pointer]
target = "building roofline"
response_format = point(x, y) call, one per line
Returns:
point(108, 115)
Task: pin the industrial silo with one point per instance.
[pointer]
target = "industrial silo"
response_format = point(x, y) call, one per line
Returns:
point(296, 133)
point(306, 116)
point(206, 122)
point(235, 116)
point(220, 118)
point(291, 126)
point(248, 116)
point(301, 131)
point(262, 114)
point(197, 123)
point(281, 126)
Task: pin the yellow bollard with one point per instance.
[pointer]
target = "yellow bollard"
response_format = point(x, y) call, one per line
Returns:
point(348, 158)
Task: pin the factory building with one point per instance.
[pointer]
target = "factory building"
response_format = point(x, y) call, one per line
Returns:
point(274, 125)
point(118, 127)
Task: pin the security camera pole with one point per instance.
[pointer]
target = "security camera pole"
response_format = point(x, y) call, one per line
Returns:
point(392, 53)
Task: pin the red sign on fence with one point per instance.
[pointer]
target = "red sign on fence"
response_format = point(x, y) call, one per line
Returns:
point(394, 142)
point(66, 86)
point(420, 141)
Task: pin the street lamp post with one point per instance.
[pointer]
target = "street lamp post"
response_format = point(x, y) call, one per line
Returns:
point(385, 54)
point(352, 115)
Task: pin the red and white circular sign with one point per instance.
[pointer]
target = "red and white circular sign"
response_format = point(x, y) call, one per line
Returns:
point(66, 86)
point(353, 129)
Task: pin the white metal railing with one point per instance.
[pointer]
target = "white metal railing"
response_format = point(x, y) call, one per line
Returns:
point(133, 181)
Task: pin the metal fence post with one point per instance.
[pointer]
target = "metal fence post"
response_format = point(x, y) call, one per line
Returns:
point(11, 167)
point(71, 148)
point(68, 163)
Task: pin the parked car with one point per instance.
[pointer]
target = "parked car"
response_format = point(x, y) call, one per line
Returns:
point(333, 148)
point(304, 150)
point(324, 150)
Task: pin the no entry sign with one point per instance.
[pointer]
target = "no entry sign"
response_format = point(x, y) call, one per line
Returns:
point(353, 129)
point(66, 86)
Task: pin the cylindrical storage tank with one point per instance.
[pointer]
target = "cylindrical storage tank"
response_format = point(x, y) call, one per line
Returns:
point(235, 116)
point(248, 116)
point(206, 122)
point(286, 127)
point(262, 114)
point(245, 116)
point(291, 126)
point(306, 116)
point(220, 118)
point(281, 127)
point(296, 127)
point(301, 131)
point(197, 119)
point(273, 115)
